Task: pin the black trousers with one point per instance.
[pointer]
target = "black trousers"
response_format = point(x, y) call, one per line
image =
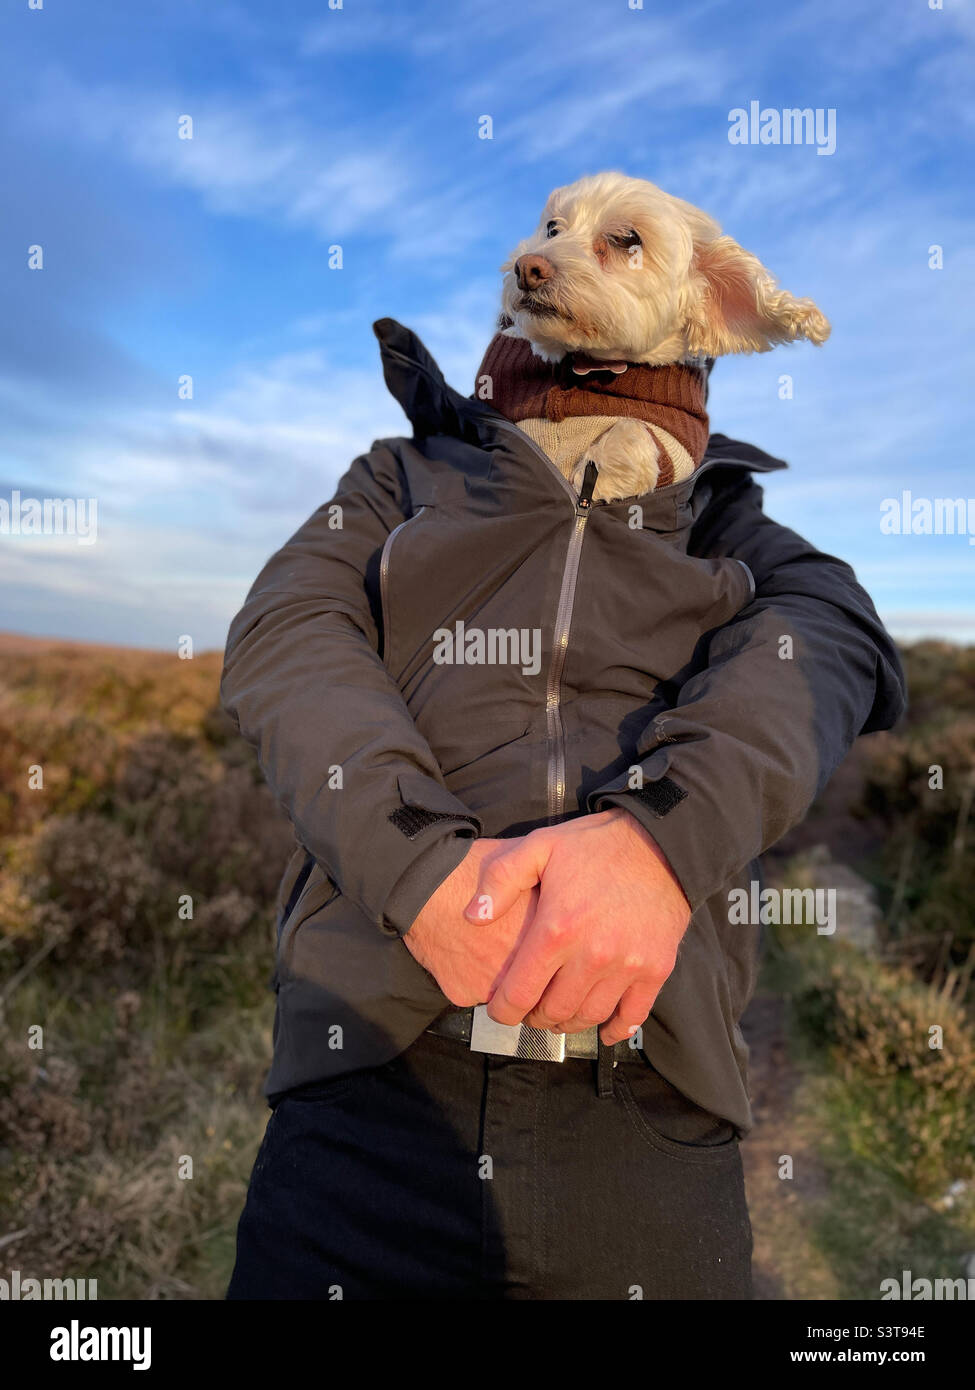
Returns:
point(450, 1174)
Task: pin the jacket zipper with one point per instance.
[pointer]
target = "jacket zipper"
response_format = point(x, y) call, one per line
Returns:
point(563, 618)
point(582, 504)
point(384, 572)
point(555, 729)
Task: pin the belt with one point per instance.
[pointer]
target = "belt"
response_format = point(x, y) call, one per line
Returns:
point(482, 1034)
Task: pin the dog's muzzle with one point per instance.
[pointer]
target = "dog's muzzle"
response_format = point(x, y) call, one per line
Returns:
point(537, 307)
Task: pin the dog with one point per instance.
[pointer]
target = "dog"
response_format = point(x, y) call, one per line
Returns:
point(620, 274)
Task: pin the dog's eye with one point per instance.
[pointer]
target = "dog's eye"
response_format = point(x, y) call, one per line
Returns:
point(626, 239)
point(552, 229)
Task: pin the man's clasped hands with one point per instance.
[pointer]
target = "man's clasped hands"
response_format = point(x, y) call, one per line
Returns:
point(567, 927)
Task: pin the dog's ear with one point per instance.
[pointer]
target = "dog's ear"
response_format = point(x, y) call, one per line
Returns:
point(734, 304)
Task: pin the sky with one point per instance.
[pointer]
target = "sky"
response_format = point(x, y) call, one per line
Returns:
point(317, 124)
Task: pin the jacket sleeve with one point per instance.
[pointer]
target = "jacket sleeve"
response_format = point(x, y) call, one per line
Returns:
point(306, 686)
point(786, 687)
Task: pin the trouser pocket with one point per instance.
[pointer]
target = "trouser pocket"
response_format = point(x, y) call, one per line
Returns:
point(665, 1118)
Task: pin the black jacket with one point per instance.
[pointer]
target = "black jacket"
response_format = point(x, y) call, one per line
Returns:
point(683, 634)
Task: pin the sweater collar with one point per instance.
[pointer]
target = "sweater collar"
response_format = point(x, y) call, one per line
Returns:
point(524, 386)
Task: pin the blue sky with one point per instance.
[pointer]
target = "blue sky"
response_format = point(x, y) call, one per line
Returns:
point(358, 126)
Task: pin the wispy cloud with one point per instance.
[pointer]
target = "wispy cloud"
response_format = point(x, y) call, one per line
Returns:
point(254, 157)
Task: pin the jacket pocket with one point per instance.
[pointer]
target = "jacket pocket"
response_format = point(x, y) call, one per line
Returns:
point(473, 744)
point(750, 582)
point(311, 891)
point(384, 579)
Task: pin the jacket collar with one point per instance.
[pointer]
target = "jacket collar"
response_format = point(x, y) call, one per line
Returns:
point(434, 407)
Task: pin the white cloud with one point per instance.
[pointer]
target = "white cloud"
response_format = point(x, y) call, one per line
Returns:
point(254, 157)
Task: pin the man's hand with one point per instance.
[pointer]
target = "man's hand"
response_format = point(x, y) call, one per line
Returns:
point(604, 938)
point(467, 960)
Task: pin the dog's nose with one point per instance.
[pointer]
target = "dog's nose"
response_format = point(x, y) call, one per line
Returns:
point(532, 271)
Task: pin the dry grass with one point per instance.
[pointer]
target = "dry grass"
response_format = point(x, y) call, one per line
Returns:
point(155, 1029)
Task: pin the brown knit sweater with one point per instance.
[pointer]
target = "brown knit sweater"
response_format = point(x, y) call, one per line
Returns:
point(523, 387)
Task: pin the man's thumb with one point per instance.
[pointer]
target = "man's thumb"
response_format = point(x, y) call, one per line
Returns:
point(502, 878)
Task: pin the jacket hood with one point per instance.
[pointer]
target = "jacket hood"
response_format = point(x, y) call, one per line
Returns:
point(434, 407)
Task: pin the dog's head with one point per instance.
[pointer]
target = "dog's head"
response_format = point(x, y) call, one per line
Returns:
point(618, 268)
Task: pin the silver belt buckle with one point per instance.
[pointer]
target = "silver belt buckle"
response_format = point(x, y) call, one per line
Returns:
point(514, 1040)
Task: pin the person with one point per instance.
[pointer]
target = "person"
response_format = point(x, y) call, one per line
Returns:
point(507, 1054)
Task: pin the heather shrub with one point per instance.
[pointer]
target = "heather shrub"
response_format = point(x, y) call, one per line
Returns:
point(94, 890)
point(920, 782)
point(904, 1056)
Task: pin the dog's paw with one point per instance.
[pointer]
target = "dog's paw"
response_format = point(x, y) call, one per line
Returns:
point(628, 458)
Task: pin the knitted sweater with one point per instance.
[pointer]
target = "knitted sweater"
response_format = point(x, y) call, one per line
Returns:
point(565, 406)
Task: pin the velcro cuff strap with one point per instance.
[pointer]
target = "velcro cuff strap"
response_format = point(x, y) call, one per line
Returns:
point(414, 819)
point(660, 797)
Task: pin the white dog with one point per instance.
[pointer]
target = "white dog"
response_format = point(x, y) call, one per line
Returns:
point(624, 273)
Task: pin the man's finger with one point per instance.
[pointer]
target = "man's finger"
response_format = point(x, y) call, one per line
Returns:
point(564, 999)
point(633, 1011)
point(503, 876)
point(534, 964)
point(598, 1007)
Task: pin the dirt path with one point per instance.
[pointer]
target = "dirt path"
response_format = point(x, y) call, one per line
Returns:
point(787, 1264)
